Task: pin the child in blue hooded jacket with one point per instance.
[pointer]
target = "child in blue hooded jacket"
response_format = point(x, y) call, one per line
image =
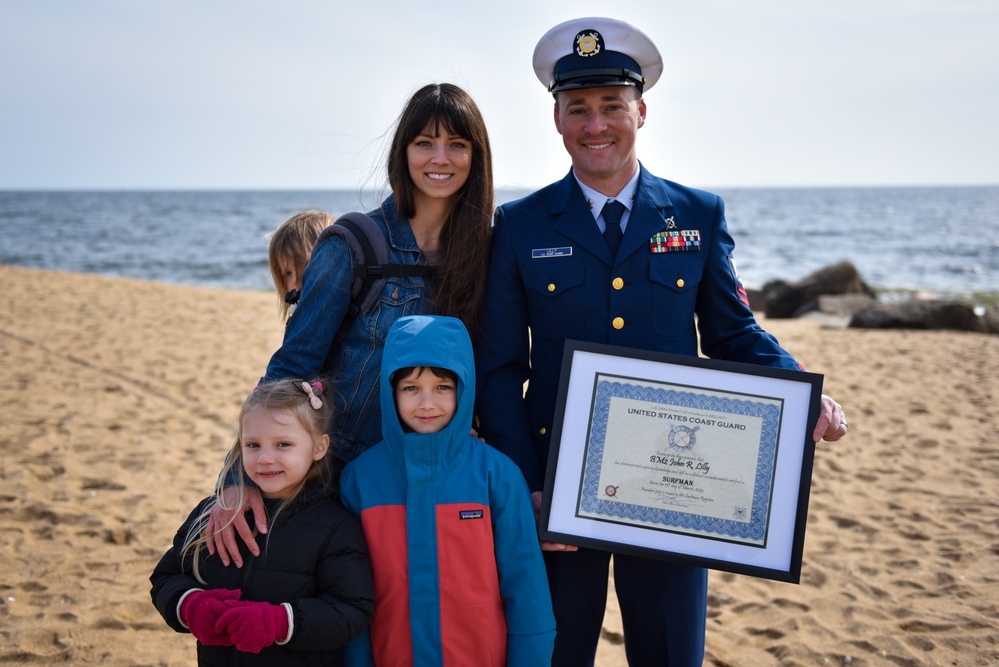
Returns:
point(458, 573)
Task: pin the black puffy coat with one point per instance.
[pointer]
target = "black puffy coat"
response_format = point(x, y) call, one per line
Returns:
point(313, 557)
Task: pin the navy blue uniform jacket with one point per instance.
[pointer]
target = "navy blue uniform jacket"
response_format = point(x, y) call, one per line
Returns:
point(551, 271)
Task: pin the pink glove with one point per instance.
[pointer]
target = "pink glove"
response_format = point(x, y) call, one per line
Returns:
point(253, 626)
point(201, 611)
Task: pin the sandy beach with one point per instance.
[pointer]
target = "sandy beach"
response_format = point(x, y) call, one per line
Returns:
point(117, 402)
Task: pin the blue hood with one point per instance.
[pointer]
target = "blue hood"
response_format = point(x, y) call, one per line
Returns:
point(424, 340)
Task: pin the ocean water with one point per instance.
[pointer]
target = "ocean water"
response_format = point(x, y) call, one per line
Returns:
point(943, 241)
point(939, 240)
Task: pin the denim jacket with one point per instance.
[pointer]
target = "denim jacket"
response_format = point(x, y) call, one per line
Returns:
point(323, 304)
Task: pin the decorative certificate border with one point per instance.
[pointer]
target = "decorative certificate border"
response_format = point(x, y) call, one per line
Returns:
point(747, 523)
point(680, 458)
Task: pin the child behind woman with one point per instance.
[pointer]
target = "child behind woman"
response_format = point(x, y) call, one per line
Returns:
point(309, 592)
point(459, 577)
point(440, 215)
point(289, 251)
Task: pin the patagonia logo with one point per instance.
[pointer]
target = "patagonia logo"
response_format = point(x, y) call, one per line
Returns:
point(469, 514)
point(542, 253)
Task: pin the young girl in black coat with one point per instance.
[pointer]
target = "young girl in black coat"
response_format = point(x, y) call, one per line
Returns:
point(309, 592)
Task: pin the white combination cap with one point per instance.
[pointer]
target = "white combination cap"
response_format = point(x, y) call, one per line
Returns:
point(595, 52)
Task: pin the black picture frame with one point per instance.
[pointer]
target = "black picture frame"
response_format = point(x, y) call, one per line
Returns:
point(691, 460)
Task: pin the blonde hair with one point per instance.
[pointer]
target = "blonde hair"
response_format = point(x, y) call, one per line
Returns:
point(294, 239)
point(280, 395)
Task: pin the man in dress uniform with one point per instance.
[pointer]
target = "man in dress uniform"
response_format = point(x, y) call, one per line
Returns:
point(610, 254)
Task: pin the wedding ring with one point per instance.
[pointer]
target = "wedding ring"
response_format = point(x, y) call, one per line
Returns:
point(842, 422)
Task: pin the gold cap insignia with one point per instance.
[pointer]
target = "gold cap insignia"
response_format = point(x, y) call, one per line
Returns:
point(589, 43)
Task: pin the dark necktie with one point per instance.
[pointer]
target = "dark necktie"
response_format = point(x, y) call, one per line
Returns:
point(613, 210)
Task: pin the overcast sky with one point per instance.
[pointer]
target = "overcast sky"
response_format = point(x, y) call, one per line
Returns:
point(123, 94)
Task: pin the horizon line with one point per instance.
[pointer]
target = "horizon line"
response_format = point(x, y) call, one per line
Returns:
point(499, 188)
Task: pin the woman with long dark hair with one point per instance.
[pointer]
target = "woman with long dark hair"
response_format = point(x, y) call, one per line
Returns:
point(439, 215)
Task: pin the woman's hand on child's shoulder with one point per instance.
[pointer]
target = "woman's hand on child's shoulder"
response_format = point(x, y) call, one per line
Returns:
point(224, 524)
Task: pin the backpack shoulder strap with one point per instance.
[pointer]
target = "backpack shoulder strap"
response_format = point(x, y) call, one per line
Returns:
point(366, 243)
point(370, 250)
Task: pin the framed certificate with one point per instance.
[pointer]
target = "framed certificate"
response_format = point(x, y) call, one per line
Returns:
point(697, 461)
